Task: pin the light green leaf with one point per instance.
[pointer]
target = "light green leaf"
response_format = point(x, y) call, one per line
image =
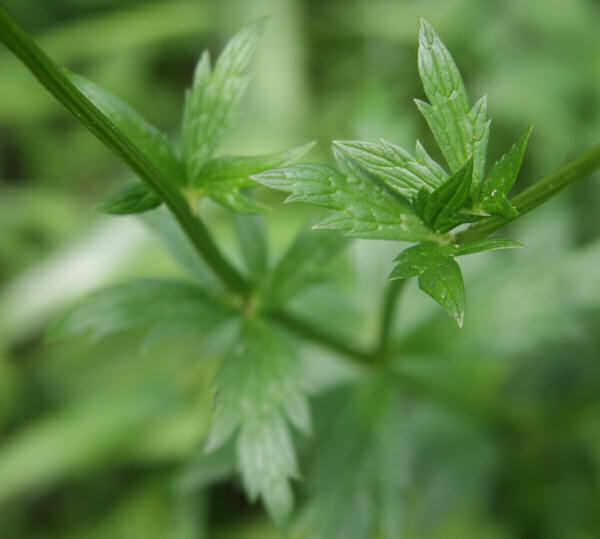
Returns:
point(479, 246)
point(252, 238)
point(230, 168)
point(479, 143)
point(502, 177)
point(440, 209)
point(231, 197)
point(444, 283)
point(365, 207)
point(133, 198)
point(302, 265)
point(147, 138)
point(257, 382)
point(212, 104)
point(402, 171)
point(163, 307)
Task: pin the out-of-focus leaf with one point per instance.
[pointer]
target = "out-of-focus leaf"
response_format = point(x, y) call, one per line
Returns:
point(400, 170)
point(133, 198)
point(162, 306)
point(149, 140)
point(231, 197)
point(364, 207)
point(302, 264)
point(502, 177)
point(252, 237)
point(212, 104)
point(242, 167)
point(258, 385)
point(487, 244)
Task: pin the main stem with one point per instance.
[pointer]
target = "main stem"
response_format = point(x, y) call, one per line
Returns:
point(537, 194)
point(59, 85)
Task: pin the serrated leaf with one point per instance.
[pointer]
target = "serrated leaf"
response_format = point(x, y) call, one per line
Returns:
point(252, 238)
point(417, 259)
point(502, 177)
point(460, 131)
point(212, 104)
point(487, 244)
point(440, 209)
point(402, 171)
point(258, 379)
point(444, 283)
point(364, 208)
point(231, 168)
point(133, 198)
point(302, 265)
point(161, 306)
point(147, 138)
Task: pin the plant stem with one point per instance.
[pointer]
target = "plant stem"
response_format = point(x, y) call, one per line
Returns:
point(388, 309)
point(537, 194)
point(311, 332)
point(59, 85)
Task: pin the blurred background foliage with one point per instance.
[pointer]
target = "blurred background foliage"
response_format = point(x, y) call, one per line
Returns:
point(491, 431)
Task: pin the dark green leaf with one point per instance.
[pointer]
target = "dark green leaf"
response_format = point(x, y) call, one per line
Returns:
point(146, 137)
point(161, 306)
point(212, 104)
point(417, 259)
point(396, 167)
point(251, 233)
point(258, 385)
point(133, 198)
point(365, 208)
point(444, 283)
point(502, 177)
point(440, 208)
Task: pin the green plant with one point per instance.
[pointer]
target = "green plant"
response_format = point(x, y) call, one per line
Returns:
point(378, 191)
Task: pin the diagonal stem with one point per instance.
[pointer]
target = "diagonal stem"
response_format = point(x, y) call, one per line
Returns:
point(537, 194)
point(390, 300)
point(59, 85)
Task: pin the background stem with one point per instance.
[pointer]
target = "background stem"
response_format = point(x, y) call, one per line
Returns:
point(59, 85)
point(388, 310)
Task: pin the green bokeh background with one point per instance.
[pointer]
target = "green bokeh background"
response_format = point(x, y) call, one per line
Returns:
point(103, 441)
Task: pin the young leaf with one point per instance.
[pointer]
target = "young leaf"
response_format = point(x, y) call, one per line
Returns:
point(302, 264)
point(149, 140)
point(461, 132)
point(502, 177)
point(212, 103)
point(365, 208)
point(161, 306)
point(479, 246)
point(444, 283)
point(258, 385)
point(251, 234)
point(133, 198)
point(440, 209)
point(396, 167)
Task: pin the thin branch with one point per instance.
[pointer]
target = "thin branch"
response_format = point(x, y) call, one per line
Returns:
point(59, 85)
point(388, 310)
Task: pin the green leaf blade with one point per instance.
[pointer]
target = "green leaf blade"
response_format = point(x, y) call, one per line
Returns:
point(487, 244)
point(133, 198)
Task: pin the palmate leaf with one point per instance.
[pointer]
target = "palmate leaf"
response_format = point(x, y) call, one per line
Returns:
point(365, 206)
point(259, 389)
point(461, 132)
point(162, 307)
point(212, 103)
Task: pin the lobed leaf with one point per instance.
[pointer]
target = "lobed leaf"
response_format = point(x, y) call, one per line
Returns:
point(133, 198)
point(258, 385)
point(402, 171)
point(365, 208)
point(502, 177)
point(212, 104)
point(148, 138)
